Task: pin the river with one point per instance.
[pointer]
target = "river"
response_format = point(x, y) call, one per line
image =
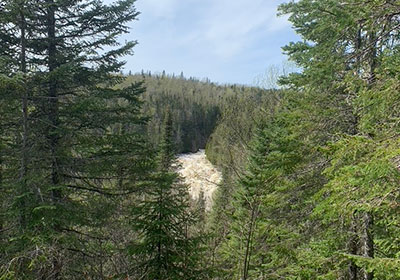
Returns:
point(200, 175)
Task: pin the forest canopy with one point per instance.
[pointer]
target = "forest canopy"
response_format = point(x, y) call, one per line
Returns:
point(89, 182)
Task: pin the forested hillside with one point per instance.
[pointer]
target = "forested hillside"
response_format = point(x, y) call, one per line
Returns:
point(89, 182)
point(195, 106)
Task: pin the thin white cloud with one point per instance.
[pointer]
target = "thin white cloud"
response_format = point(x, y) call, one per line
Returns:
point(214, 38)
point(164, 9)
point(229, 26)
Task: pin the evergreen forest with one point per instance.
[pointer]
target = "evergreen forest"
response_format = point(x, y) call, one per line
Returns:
point(89, 181)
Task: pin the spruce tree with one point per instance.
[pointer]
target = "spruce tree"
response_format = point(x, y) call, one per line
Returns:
point(345, 58)
point(166, 247)
point(258, 200)
point(78, 153)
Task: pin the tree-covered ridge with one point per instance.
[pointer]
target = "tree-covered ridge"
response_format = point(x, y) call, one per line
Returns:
point(195, 106)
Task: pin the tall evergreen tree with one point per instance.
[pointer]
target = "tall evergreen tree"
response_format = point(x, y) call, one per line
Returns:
point(166, 248)
point(343, 67)
point(79, 151)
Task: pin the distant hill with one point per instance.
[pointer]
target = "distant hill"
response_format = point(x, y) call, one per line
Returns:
point(196, 106)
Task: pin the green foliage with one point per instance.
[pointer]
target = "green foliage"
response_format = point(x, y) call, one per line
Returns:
point(331, 147)
point(311, 173)
point(72, 152)
point(165, 246)
point(195, 107)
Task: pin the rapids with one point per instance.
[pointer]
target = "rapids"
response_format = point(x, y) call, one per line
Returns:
point(200, 175)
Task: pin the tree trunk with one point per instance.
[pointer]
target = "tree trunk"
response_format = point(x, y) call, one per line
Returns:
point(24, 148)
point(372, 58)
point(249, 241)
point(2, 199)
point(53, 100)
point(53, 134)
point(353, 244)
point(367, 242)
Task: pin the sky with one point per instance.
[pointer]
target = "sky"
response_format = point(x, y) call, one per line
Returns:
point(227, 41)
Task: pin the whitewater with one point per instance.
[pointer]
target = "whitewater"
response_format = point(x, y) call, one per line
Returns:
point(200, 175)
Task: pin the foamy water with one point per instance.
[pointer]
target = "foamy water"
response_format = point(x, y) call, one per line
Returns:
point(200, 175)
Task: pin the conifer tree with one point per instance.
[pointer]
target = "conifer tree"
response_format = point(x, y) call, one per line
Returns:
point(166, 247)
point(79, 154)
point(272, 158)
point(345, 67)
point(252, 185)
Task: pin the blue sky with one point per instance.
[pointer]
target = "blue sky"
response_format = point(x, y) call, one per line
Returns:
point(228, 41)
